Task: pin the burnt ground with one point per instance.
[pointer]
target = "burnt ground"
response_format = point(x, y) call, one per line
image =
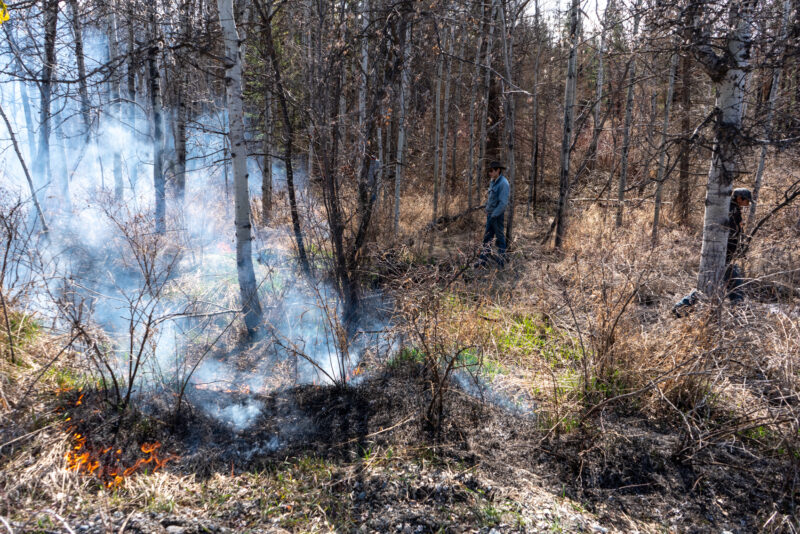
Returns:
point(619, 469)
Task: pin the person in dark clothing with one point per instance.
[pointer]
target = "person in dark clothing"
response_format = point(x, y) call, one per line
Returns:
point(740, 198)
point(495, 216)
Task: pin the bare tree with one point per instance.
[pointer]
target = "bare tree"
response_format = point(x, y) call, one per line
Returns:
point(233, 81)
point(559, 223)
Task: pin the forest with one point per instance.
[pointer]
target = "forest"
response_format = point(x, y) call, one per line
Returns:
point(402, 266)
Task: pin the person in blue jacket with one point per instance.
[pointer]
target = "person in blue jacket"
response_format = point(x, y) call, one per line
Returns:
point(495, 215)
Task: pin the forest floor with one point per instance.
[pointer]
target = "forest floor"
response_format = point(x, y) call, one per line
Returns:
point(533, 444)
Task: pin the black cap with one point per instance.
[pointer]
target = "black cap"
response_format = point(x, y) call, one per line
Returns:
point(742, 192)
point(496, 165)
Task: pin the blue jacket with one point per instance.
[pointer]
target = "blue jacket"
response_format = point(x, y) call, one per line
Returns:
point(498, 197)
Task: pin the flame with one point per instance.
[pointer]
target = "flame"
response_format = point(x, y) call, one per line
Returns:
point(96, 461)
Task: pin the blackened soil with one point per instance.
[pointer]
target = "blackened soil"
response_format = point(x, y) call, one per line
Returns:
point(616, 465)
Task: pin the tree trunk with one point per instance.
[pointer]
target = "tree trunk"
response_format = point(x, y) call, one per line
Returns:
point(266, 172)
point(50, 12)
point(662, 150)
point(133, 166)
point(682, 199)
point(729, 76)
point(487, 79)
point(533, 174)
point(446, 121)
point(569, 119)
point(400, 167)
point(289, 137)
point(436, 140)
point(626, 132)
point(773, 94)
point(473, 102)
point(115, 108)
point(233, 82)
point(83, 89)
point(159, 182)
point(508, 58)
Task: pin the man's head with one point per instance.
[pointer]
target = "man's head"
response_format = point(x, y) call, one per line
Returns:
point(742, 196)
point(495, 168)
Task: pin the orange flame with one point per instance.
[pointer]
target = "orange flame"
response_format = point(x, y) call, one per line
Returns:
point(96, 461)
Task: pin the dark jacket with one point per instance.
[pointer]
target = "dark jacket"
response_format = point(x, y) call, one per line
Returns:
point(734, 226)
point(498, 197)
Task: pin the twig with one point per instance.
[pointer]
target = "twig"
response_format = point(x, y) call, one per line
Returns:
point(5, 524)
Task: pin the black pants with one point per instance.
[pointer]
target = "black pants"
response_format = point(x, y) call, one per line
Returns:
point(494, 231)
point(733, 282)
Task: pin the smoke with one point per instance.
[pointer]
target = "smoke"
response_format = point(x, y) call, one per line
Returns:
point(164, 306)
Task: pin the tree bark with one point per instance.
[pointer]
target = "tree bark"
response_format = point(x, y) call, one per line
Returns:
point(400, 165)
point(473, 102)
point(133, 166)
point(626, 132)
point(682, 199)
point(569, 119)
point(446, 121)
point(509, 108)
point(159, 182)
point(50, 12)
point(233, 82)
point(487, 79)
point(115, 108)
point(729, 76)
point(533, 174)
point(436, 144)
point(662, 150)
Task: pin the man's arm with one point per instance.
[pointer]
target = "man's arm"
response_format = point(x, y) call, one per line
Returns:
point(502, 199)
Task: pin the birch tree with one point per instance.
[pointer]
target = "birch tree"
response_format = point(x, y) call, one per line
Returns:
point(248, 289)
point(727, 68)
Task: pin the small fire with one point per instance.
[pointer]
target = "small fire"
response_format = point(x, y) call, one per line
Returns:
point(107, 465)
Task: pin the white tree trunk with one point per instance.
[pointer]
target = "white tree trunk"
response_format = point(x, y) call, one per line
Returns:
point(725, 152)
point(233, 81)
